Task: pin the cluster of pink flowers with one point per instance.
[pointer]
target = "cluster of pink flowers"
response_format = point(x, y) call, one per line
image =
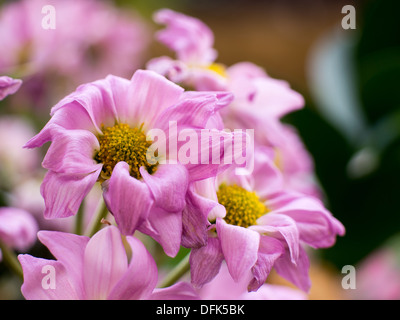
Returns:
point(238, 224)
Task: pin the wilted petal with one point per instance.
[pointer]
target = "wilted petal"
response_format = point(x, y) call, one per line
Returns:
point(205, 262)
point(64, 193)
point(127, 198)
point(240, 247)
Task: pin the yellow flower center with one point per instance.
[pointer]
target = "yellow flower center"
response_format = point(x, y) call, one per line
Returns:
point(243, 207)
point(218, 68)
point(123, 143)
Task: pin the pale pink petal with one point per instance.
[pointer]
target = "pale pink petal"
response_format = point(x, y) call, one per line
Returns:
point(128, 199)
point(148, 95)
point(178, 291)
point(189, 37)
point(105, 262)
point(240, 247)
point(64, 193)
point(38, 275)
point(140, 278)
point(69, 250)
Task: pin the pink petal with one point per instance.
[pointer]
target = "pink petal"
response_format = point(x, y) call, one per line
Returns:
point(189, 37)
point(128, 199)
point(71, 152)
point(69, 250)
point(240, 247)
point(295, 273)
point(148, 95)
point(8, 86)
point(141, 277)
point(269, 251)
point(166, 228)
point(64, 193)
point(168, 186)
point(105, 262)
point(178, 291)
point(35, 272)
point(205, 262)
point(280, 226)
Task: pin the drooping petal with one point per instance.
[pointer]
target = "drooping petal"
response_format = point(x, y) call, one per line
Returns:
point(140, 278)
point(148, 95)
point(63, 193)
point(281, 227)
point(8, 86)
point(240, 247)
point(298, 273)
point(18, 228)
point(205, 262)
point(127, 198)
point(168, 186)
point(105, 262)
point(45, 279)
point(165, 227)
point(71, 152)
point(178, 291)
point(317, 227)
point(69, 250)
point(269, 251)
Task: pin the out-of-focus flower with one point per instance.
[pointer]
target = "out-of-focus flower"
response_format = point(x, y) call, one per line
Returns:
point(16, 163)
point(378, 276)
point(99, 133)
point(8, 86)
point(223, 287)
point(254, 224)
point(96, 268)
point(17, 228)
point(88, 40)
point(260, 101)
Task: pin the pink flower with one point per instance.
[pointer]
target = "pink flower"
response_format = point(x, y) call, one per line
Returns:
point(254, 224)
point(260, 101)
point(17, 228)
point(99, 134)
point(95, 268)
point(8, 86)
point(223, 287)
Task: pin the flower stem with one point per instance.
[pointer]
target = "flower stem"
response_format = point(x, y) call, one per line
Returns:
point(11, 260)
point(98, 216)
point(177, 272)
point(79, 220)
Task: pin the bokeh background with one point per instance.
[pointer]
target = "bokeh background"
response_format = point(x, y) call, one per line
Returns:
point(350, 124)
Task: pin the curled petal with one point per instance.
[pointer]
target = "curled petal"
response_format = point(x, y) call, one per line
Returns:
point(8, 86)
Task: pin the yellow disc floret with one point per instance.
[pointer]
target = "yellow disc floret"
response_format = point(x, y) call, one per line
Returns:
point(243, 207)
point(123, 143)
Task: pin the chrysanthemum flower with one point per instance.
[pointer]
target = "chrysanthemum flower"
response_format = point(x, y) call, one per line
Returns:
point(17, 229)
point(8, 86)
point(99, 134)
point(260, 101)
point(254, 224)
point(95, 268)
